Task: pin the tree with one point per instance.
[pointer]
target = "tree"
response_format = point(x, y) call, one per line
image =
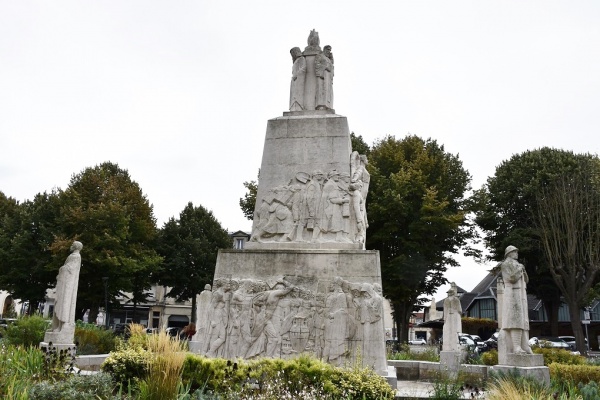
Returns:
point(506, 207)
point(107, 211)
point(248, 202)
point(27, 232)
point(189, 246)
point(417, 218)
point(568, 218)
point(359, 144)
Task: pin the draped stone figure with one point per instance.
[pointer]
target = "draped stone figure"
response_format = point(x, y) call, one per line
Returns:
point(218, 319)
point(452, 320)
point(359, 188)
point(63, 319)
point(324, 72)
point(203, 302)
point(515, 319)
point(298, 80)
point(336, 328)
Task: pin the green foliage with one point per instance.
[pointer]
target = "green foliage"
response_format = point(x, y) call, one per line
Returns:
point(248, 202)
point(561, 356)
point(417, 218)
point(75, 387)
point(92, 339)
point(405, 353)
point(26, 231)
point(446, 389)
point(574, 373)
point(127, 365)
point(359, 144)
point(274, 378)
point(19, 367)
point(107, 211)
point(470, 324)
point(589, 391)
point(490, 357)
point(27, 331)
point(189, 246)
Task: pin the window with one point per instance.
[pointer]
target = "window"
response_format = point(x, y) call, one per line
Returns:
point(239, 243)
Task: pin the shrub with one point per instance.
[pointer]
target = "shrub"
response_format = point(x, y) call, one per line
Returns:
point(76, 387)
point(127, 365)
point(27, 331)
point(559, 356)
point(92, 339)
point(405, 353)
point(575, 374)
point(19, 367)
point(490, 357)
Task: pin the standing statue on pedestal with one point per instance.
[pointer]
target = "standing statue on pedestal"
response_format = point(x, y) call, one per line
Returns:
point(324, 72)
point(452, 320)
point(66, 290)
point(298, 79)
point(514, 321)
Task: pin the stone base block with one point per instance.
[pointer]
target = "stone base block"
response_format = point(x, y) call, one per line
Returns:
point(65, 351)
point(450, 362)
point(65, 336)
point(541, 374)
point(525, 360)
point(194, 346)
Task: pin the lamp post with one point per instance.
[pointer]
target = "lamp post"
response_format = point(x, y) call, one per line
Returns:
point(105, 280)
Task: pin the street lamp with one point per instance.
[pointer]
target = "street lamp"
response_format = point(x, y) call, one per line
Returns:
point(105, 280)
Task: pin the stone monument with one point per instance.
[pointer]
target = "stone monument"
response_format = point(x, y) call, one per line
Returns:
point(61, 334)
point(513, 320)
point(304, 283)
point(450, 356)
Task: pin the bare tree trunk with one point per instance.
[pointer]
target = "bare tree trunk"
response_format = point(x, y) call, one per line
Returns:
point(575, 312)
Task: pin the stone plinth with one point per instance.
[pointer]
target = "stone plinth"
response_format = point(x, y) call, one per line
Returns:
point(525, 360)
point(62, 351)
point(281, 303)
point(541, 374)
point(450, 362)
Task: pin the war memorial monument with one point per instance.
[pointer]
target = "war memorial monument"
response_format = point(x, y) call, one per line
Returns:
point(305, 282)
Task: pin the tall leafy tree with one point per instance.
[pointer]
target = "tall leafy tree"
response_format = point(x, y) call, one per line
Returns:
point(417, 213)
point(107, 211)
point(506, 209)
point(189, 246)
point(27, 231)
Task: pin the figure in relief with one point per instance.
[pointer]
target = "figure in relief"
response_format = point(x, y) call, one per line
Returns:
point(324, 72)
point(275, 218)
point(298, 80)
point(314, 190)
point(67, 281)
point(218, 319)
point(371, 313)
point(203, 302)
point(336, 325)
point(359, 187)
point(333, 200)
point(266, 336)
point(452, 320)
point(515, 322)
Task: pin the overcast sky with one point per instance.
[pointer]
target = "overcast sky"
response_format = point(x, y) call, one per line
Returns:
point(179, 92)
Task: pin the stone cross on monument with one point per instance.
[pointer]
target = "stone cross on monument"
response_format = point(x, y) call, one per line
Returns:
point(304, 283)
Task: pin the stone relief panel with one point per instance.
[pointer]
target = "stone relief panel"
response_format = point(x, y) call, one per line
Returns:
point(252, 318)
point(316, 207)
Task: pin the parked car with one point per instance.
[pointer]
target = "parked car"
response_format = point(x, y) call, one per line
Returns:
point(571, 342)
point(173, 331)
point(417, 341)
point(467, 342)
point(492, 342)
point(549, 341)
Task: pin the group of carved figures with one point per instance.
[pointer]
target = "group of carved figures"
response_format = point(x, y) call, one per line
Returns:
point(249, 318)
point(316, 207)
point(320, 65)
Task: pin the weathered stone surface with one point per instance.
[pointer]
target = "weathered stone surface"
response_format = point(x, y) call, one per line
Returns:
point(540, 374)
point(452, 321)
point(450, 362)
point(62, 330)
point(280, 303)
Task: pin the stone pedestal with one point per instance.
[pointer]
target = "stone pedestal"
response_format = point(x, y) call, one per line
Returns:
point(65, 352)
point(281, 304)
point(450, 362)
point(539, 373)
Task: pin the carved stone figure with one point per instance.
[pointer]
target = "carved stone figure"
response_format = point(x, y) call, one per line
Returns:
point(203, 302)
point(63, 319)
point(324, 72)
point(313, 42)
point(515, 321)
point(266, 336)
point(218, 319)
point(336, 327)
point(333, 200)
point(298, 80)
point(359, 188)
point(452, 320)
point(314, 189)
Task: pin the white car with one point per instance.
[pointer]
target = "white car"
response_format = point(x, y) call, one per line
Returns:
point(417, 341)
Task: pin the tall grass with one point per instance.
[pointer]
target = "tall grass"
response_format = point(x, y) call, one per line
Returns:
point(165, 367)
